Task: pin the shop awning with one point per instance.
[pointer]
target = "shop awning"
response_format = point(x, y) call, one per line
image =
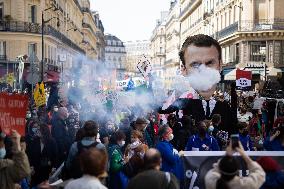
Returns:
point(231, 75)
point(52, 76)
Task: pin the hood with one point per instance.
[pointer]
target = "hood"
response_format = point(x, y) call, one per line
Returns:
point(5, 163)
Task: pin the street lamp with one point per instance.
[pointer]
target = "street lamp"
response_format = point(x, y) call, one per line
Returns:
point(43, 22)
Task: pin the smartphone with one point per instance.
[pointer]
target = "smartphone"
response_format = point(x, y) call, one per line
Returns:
point(235, 140)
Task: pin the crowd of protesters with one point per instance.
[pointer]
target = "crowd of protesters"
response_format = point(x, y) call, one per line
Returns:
point(112, 153)
point(134, 147)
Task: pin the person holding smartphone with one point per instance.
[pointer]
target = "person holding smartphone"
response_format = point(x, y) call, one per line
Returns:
point(225, 173)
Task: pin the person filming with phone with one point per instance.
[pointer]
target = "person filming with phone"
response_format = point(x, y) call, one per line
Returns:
point(225, 173)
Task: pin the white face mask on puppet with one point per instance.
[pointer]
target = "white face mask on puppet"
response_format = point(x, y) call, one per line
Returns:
point(203, 78)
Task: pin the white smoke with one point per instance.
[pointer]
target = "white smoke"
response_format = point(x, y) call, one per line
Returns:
point(203, 78)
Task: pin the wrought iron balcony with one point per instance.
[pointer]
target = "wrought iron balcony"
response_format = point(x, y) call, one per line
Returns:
point(251, 26)
point(228, 30)
point(27, 27)
point(262, 25)
point(86, 25)
point(183, 11)
point(16, 26)
point(53, 32)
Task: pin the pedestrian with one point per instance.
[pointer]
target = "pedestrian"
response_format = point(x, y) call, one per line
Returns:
point(244, 136)
point(59, 132)
point(202, 141)
point(117, 179)
point(42, 153)
point(126, 129)
point(225, 173)
point(24, 184)
point(152, 177)
point(12, 171)
point(171, 161)
point(106, 131)
point(141, 125)
point(90, 131)
point(73, 121)
point(134, 159)
point(93, 163)
point(176, 127)
point(188, 129)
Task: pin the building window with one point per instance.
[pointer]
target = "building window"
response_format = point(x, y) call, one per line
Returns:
point(32, 14)
point(258, 51)
point(1, 11)
point(237, 52)
point(32, 49)
point(3, 50)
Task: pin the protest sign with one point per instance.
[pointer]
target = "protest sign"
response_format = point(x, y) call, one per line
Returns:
point(144, 66)
point(198, 163)
point(13, 112)
point(39, 95)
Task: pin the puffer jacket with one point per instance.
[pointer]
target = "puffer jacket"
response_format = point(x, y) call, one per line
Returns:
point(13, 171)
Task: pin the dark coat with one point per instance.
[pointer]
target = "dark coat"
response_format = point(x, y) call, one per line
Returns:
point(194, 108)
point(59, 132)
point(153, 179)
point(42, 160)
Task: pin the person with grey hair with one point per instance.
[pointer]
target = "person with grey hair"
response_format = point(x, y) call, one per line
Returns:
point(59, 132)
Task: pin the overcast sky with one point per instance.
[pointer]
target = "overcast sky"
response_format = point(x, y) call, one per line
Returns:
point(130, 19)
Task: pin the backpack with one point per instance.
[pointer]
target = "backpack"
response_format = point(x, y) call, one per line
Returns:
point(75, 170)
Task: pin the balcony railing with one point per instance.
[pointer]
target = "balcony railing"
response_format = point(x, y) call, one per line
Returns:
point(251, 26)
point(183, 11)
point(228, 30)
point(86, 25)
point(53, 32)
point(262, 25)
point(15, 26)
point(27, 27)
point(3, 57)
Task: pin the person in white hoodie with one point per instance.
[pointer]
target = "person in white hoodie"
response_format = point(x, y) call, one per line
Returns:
point(225, 173)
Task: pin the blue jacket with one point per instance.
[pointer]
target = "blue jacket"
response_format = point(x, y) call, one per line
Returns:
point(170, 161)
point(273, 180)
point(246, 142)
point(274, 145)
point(196, 142)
